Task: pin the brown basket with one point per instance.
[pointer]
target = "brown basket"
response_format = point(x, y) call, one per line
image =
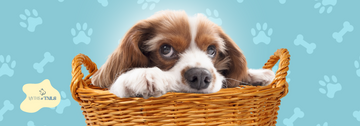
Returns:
point(245, 105)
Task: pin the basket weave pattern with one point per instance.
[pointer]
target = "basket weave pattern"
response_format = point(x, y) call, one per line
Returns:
point(244, 105)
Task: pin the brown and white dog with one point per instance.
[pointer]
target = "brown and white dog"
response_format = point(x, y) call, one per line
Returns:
point(173, 52)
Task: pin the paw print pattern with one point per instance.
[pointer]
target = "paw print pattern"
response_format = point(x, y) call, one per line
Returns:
point(357, 66)
point(7, 66)
point(103, 2)
point(81, 34)
point(282, 1)
point(30, 123)
point(145, 3)
point(325, 124)
point(63, 103)
point(323, 5)
point(356, 114)
point(240, 1)
point(260, 35)
point(30, 22)
point(331, 88)
point(214, 18)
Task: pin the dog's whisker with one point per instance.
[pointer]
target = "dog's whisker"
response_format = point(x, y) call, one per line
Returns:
point(241, 82)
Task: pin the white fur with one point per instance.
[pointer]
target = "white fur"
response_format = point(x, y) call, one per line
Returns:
point(263, 76)
point(193, 22)
point(194, 57)
point(144, 81)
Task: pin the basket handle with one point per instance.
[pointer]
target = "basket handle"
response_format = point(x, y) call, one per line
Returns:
point(281, 73)
point(77, 76)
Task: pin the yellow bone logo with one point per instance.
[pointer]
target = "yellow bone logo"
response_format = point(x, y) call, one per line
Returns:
point(39, 96)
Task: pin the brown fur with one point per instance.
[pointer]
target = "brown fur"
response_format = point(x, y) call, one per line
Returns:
point(183, 74)
point(237, 64)
point(205, 35)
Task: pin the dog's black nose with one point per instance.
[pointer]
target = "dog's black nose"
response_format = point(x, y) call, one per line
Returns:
point(198, 78)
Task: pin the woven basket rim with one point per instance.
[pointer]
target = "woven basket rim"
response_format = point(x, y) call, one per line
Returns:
point(84, 85)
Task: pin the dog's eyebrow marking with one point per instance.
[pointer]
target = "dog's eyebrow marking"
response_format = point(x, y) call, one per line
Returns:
point(152, 43)
point(222, 43)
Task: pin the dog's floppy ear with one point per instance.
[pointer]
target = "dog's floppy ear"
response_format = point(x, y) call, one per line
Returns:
point(237, 66)
point(126, 56)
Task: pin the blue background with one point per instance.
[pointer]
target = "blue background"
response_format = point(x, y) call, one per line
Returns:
point(316, 77)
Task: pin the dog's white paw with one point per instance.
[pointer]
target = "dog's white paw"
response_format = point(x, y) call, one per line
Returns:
point(145, 82)
point(260, 77)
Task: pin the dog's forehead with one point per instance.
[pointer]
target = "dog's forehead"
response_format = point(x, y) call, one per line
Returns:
point(171, 23)
point(181, 30)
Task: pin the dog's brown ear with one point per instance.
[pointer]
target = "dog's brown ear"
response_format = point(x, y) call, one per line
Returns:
point(126, 56)
point(237, 66)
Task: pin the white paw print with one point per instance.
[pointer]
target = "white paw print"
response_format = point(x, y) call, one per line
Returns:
point(282, 1)
point(260, 35)
point(331, 88)
point(64, 103)
point(240, 1)
point(30, 123)
point(214, 18)
point(7, 66)
point(80, 34)
point(323, 5)
point(31, 20)
point(357, 66)
point(103, 2)
point(356, 114)
point(145, 3)
point(325, 124)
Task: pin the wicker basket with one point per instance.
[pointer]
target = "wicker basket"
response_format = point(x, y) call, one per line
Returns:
point(244, 105)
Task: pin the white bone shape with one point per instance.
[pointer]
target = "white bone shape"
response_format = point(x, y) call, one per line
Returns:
point(39, 67)
point(325, 124)
point(297, 114)
point(310, 47)
point(338, 36)
point(3, 110)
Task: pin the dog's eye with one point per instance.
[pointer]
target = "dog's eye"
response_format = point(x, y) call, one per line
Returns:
point(167, 51)
point(211, 51)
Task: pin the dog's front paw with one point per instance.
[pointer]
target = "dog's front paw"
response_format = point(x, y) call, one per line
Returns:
point(145, 82)
point(260, 77)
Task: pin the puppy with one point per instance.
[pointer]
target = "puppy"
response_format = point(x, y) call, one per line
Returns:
point(173, 52)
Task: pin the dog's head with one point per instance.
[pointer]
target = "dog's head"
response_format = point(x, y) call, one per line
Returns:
point(194, 50)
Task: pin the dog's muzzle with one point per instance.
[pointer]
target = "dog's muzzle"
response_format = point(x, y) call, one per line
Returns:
point(198, 78)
